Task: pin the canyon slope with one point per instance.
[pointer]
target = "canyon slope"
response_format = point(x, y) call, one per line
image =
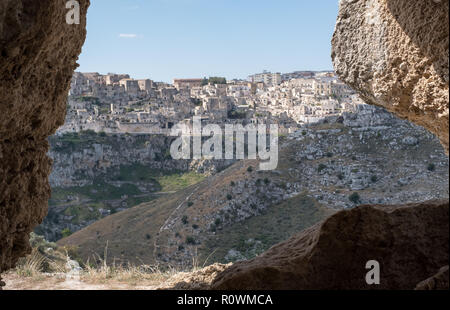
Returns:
point(238, 213)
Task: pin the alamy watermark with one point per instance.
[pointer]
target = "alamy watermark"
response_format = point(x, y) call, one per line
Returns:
point(373, 276)
point(234, 135)
point(73, 15)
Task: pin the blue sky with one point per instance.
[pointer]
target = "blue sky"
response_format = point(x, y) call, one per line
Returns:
point(166, 39)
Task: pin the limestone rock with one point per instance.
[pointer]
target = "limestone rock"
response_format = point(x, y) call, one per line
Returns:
point(410, 242)
point(395, 53)
point(437, 282)
point(38, 53)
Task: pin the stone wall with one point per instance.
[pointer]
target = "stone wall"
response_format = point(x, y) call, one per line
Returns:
point(38, 53)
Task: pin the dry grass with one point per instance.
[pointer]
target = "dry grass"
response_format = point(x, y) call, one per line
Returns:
point(30, 274)
point(102, 272)
point(37, 271)
point(128, 274)
point(36, 264)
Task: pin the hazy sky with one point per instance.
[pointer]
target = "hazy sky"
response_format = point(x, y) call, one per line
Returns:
point(166, 39)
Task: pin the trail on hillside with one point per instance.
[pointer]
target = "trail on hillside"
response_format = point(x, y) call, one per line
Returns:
point(169, 221)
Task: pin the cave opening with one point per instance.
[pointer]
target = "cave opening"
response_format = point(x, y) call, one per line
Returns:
point(119, 198)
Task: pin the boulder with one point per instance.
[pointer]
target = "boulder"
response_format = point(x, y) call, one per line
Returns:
point(410, 243)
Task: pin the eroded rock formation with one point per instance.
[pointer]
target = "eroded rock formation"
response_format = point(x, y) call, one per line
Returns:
point(437, 282)
point(38, 53)
point(410, 242)
point(396, 54)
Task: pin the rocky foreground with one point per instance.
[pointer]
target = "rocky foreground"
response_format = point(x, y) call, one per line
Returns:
point(410, 243)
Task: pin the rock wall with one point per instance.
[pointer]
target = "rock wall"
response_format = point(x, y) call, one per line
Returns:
point(395, 53)
point(38, 53)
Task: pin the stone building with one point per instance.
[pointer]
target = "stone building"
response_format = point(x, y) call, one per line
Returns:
point(187, 83)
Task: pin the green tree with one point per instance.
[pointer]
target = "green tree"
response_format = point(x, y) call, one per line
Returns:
point(217, 80)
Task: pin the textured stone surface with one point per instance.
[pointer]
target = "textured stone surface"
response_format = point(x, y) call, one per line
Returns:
point(410, 242)
point(395, 54)
point(437, 282)
point(38, 53)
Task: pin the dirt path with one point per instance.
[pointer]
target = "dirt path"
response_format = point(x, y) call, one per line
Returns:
point(59, 282)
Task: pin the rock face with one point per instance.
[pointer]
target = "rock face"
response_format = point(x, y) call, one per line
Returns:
point(38, 53)
point(437, 282)
point(410, 242)
point(395, 53)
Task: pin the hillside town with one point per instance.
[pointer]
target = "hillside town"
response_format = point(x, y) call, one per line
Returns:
point(116, 103)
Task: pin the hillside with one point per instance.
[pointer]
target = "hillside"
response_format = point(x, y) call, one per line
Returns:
point(97, 174)
point(240, 212)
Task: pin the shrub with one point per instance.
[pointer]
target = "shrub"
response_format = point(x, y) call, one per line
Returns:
point(431, 167)
point(218, 221)
point(195, 226)
point(321, 167)
point(282, 185)
point(250, 169)
point(184, 219)
point(66, 232)
point(180, 248)
point(266, 181)
point(340, 176)
point(229, 197)
point(148, 236)
point(355, 198)
point(329, 154)
point(190, 240)
point(373, 178)
point(38, 242)
point(190, 204)
point(232, 183)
